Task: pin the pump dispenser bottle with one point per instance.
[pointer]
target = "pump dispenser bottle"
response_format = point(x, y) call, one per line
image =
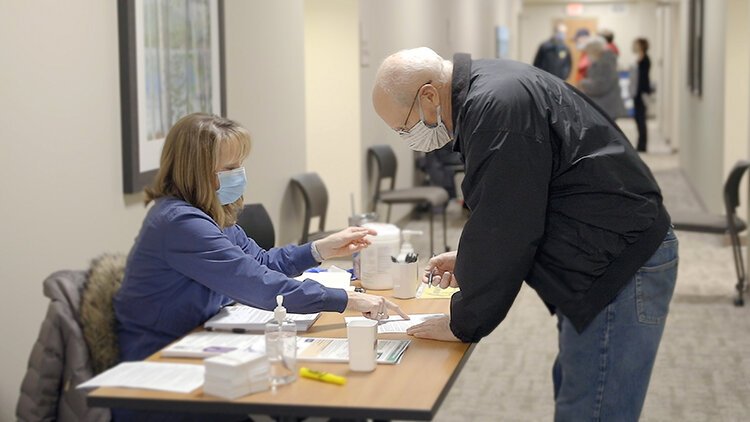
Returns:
point(281, 346)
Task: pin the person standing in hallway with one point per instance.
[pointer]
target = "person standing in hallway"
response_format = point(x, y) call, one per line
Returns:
point(580, 39)
point(560, 199)
point(609, 36)
point(640, 85)
point(602, 82)
point(553, 55)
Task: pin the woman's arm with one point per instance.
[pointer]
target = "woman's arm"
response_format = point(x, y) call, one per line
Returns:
point(196, 247)
point(290, 260)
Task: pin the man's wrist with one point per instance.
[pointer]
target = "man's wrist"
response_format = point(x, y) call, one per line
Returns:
point(316, 252)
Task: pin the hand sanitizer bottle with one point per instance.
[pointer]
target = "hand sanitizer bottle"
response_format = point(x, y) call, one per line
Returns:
point(406, 246)
point(281, 346)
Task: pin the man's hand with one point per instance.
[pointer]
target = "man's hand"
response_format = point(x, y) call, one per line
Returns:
point(441, 266)
point(373, 307)
point(344, 243)
point(434, 328)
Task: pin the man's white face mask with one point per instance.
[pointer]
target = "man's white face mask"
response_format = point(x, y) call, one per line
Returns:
point(424, 138)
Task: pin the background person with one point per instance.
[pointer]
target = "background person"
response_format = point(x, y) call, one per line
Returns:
point(553, 55)
point(609, 36)
point(602, 82)
point(560, 199)
point(640, 86)
point(580, 39)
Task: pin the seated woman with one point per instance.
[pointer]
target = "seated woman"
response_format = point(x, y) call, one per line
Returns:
point(190, 258)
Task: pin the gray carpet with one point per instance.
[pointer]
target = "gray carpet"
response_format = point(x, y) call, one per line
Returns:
point(703, 367)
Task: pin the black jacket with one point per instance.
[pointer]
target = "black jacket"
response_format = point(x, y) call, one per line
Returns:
point(644, 79)
point(554, 57)
point(558, 195)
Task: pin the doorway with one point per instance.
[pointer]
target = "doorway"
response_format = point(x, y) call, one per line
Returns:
point(574, 25)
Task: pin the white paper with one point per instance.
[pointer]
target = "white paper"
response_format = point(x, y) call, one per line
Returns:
point(242, 318)
point(209, 343)
point(396, 324)
point(174, 377)
point(332, 278)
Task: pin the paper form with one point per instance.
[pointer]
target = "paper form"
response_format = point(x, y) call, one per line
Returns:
point(436, 292)
point(396, 324)
point(174, 377)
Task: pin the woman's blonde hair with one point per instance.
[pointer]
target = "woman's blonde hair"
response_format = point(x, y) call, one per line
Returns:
point(190, 160)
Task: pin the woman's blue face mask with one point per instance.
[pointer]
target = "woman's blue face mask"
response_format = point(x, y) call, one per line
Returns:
point(231, 185)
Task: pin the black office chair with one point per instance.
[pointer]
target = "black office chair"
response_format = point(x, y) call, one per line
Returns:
point(729, 224)
point(315, 196)
point(385, 168)
point(257, 224)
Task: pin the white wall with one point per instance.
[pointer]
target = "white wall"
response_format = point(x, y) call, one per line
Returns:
point(702, 118)
point(60, 155)
point(266, 94)
point(386, 27)
point(736, 84)
point(60, 161)
point(332, 102)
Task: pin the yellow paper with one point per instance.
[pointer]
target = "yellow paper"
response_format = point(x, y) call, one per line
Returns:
point(435, 292)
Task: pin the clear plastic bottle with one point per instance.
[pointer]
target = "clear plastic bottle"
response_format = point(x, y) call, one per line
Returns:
point(281, 346)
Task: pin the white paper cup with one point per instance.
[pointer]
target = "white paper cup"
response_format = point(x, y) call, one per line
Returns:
point(405, 278)
point(363, 344)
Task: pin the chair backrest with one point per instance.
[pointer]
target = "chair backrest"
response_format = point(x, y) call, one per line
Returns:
point(732, 186)
point(384, 159)
point(315, 195)
point(257, 224)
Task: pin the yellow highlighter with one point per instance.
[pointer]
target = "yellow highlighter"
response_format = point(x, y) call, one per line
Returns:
point(322, 376)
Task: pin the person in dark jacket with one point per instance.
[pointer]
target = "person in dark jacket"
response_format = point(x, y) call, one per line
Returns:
point(640, 86)
point(553, 55)
point(559, 199)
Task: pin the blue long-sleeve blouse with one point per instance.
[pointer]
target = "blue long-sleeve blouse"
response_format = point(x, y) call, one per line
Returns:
point(183, 268)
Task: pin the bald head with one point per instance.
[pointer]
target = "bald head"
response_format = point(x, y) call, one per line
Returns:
point(402, 76)
point(402, 73)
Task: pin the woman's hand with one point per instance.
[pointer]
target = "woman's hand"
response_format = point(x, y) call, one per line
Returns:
point(441, 266)
point(373, 307)
point(344, 243)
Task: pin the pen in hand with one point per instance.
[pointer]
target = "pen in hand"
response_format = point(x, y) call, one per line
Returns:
point(429, 282)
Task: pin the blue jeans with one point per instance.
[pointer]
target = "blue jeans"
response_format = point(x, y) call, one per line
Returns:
point(602, 374)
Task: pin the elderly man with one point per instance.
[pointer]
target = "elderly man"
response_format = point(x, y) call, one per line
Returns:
point(558, 198)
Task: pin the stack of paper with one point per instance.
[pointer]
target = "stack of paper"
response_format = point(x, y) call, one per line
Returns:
point(236, 374)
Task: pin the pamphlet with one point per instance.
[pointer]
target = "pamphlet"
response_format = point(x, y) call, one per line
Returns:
point(204, 344)
point(336, 350)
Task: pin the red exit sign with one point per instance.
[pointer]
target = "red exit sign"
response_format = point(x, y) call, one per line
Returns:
point(574, 9)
